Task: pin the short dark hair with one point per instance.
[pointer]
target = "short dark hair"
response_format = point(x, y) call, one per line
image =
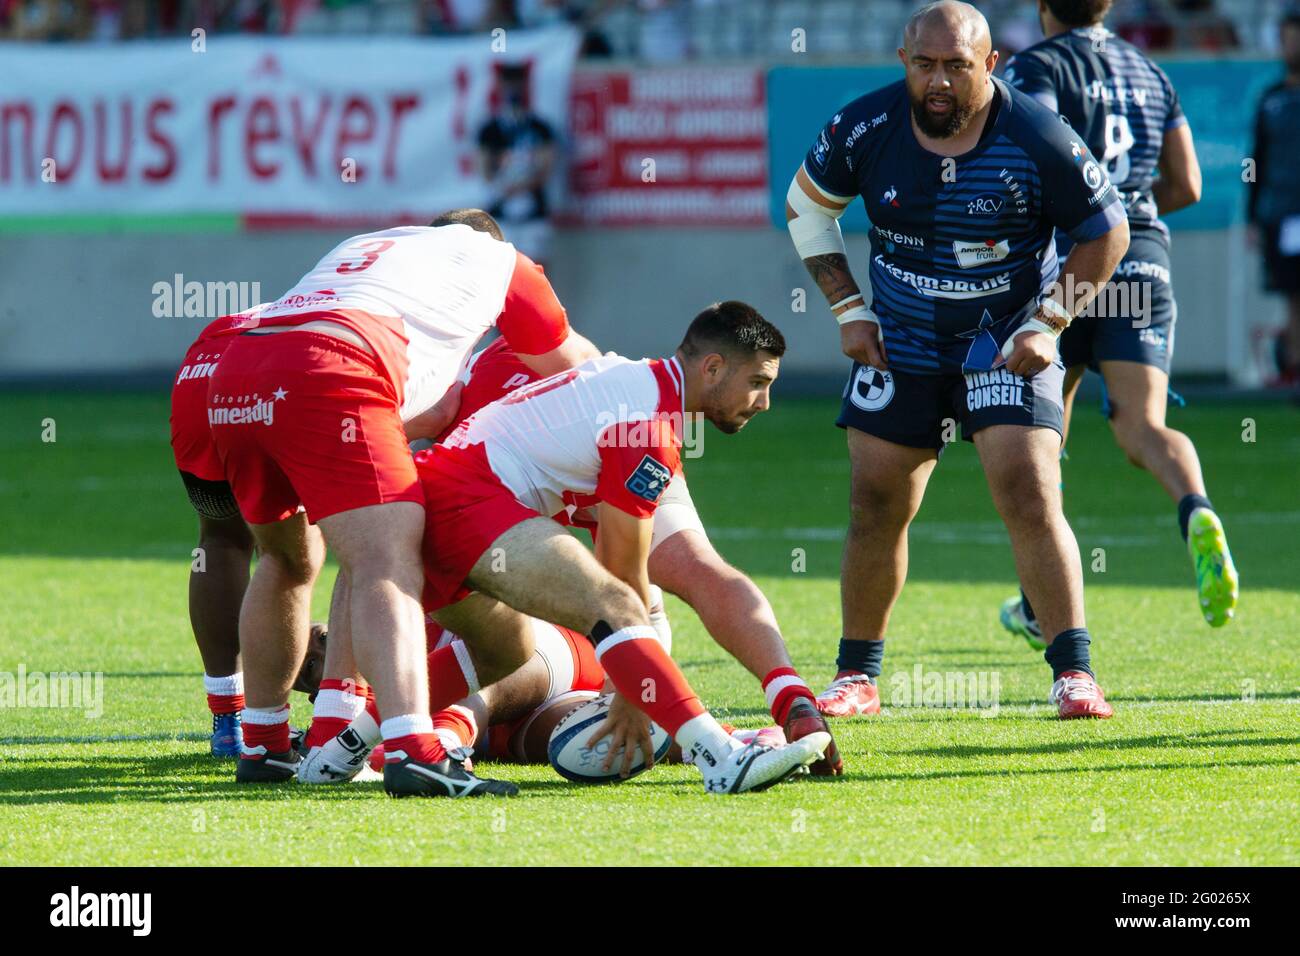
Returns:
point(1079, 13)
point(476, 219)
point(731, 328)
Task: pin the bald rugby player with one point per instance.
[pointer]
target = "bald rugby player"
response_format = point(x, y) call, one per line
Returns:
point(966, 182)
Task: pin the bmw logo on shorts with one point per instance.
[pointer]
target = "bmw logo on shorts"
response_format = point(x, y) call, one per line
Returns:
point(871, 389)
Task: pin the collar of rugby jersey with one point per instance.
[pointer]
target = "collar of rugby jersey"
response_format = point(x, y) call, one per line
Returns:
point(672, 391)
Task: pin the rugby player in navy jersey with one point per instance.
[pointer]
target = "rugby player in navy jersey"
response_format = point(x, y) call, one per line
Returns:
point(1126, 110)
point(965, 182)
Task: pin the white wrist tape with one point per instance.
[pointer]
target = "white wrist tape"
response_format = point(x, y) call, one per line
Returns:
point(860, 313)
point(815, 229)
point(1048, 304)
point(1029, 325)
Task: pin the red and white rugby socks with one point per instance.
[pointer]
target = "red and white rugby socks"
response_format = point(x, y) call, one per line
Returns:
point(455, 727)
point(225, 694)
point(782, 687)
point(366, 724)
point(452, 676)
point(411, 735)
point(338, 703)
point(266, 731)
point(646, 676)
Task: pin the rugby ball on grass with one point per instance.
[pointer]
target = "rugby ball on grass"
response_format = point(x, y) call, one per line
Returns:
point(574, 760)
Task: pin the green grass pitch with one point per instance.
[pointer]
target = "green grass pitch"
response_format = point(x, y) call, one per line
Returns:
point(1199, 765)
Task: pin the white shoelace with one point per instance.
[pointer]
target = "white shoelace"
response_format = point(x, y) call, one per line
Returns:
point(1074, 688)
point(842, 682)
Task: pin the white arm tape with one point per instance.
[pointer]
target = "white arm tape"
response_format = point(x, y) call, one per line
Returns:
point(814, 229)
point(860, 313)
point(1048, 304)
point(1029, 325)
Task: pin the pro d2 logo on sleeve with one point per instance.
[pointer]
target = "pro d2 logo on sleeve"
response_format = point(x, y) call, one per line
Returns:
point(649, 480)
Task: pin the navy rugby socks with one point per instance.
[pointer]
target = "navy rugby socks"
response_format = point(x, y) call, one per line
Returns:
point(1069, 652)
point(865, 657)
point(1026, 606)
point(1189, 504)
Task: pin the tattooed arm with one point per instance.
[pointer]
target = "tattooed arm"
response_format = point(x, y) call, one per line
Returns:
point(812, 218)
point(831, 273)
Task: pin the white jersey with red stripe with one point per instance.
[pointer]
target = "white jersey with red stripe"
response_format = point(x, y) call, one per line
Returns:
point(422, 297)
point(440, 288)
point(609, 430)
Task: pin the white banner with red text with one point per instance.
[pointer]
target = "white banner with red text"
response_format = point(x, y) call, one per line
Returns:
point(277, 131)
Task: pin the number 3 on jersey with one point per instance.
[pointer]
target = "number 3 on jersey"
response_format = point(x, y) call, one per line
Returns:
point(371, 249)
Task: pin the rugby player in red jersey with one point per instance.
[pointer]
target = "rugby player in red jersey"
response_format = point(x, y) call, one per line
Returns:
point(307, 408)
point(684, 562)
point(219, 572)
point(510, 720)
point(607, 432)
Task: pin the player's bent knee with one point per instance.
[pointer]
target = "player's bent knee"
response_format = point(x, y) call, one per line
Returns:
point(295, 570)
point(293, 547)
point(380, 536)
point(229, 533)
point(872, 508)
point(311, 558)
point(617, 604)
point(406, 576)
point(1135, 434)
point(400, 563)
point(1032, 509)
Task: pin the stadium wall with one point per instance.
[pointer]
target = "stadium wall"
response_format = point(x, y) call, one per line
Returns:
point(81, 265)
point(83, 305)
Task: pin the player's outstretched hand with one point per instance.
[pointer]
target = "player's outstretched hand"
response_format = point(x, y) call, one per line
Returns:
point(1034, 351)
point(861, 342)
point(627, 729)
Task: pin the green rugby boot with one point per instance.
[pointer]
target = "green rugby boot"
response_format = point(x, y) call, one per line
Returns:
point(1013, 619)
point(1216, 575)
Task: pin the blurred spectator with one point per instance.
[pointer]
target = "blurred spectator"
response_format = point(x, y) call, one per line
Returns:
point(518, 152)
point(1273, 207)
point(229, 16)
point(44, 20)
point(664, 30)
point(658, 31)
point(464, 16)
point(1202, 27)
point(1016, 33)
point(541, 13)
point(585, 14)
point(1145, 25)
point(106, 20)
